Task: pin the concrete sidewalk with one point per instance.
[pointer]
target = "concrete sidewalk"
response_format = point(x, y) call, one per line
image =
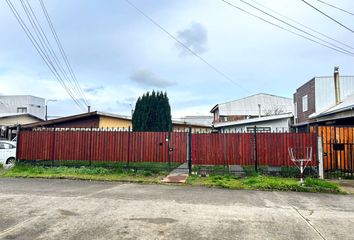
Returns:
point(178, 175)
point(65, 209)
point(346, 185)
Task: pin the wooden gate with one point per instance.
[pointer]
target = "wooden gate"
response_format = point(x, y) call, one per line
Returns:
point(338, 151)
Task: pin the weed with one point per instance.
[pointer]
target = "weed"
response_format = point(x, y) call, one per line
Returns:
point(261, 182)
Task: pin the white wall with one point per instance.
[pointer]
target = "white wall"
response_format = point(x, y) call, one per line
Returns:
point(249, 105)
point(324, 87)
point(34, 105)
point(275, 125)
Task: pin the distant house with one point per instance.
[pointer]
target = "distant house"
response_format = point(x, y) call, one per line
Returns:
point(274, 123)
point(251, 107)
point(201, 120)
point(32, 105)
point(106, 120)
point(324, 101)
point(178, 125)
point(9, 121)
point(85, 120)
point(267, 112)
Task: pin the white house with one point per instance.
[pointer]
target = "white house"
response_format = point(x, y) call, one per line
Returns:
point(254, 106)
point(32, 105)
point(325, 100)
point(265, 111)
point(274, 123)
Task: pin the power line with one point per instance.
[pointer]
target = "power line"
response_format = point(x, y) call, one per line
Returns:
point(298, 29)
point(39, 50)
point(41, 35)
point(43, 39)
point(42, 43)
point(325, 14)
point(62, 51)
point(303, 25)
point(333, 6)
point(185, 46)
point(283, 28)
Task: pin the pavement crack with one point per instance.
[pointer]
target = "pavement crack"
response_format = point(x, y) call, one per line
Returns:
point(96, 192)
point(309, 223)
point(16, 226)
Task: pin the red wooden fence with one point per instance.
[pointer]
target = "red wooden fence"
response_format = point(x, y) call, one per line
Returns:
point(105, 146)
point(122, 146)
point(239, 148)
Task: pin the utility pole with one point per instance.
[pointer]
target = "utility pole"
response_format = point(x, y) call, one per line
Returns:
point(46, 107)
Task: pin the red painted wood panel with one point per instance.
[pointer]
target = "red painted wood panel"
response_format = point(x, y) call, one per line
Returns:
point(102, 145)
point(122, 146)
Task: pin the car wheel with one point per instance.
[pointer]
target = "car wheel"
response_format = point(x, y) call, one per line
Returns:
point(10, 162)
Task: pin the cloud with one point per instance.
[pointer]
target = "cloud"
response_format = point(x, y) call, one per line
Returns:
point(148, 78)
point(94, 89)
point(195, 37)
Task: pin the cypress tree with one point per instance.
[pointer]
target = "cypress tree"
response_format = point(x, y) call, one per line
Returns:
point(152, 113)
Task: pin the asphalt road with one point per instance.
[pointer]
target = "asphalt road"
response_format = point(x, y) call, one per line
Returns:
point(64, 209)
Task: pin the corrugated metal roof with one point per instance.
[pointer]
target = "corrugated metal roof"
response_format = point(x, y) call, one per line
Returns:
point(325, 96)
point(249, 105)
point(345, 105)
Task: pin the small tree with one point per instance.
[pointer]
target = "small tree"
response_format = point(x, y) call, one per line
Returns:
point(274, 110)
point(152, 113)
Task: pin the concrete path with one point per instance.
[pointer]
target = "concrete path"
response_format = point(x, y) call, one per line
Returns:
point(177, 175)
point(65, 209)
point(346, 185)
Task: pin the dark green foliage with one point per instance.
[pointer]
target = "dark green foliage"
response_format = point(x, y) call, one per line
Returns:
point(152, 113)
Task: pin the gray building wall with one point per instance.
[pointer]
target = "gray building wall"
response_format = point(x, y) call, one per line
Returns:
point(23, 104)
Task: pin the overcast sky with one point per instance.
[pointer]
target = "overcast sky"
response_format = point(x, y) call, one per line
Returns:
point(117, 54)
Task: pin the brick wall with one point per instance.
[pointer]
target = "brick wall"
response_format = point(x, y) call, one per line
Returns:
point(309, 90)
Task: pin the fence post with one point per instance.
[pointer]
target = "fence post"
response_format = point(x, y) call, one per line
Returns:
point(128, 147)
point(190, 150)
point(255, 148)
point(169, 150)
point(53, 147)
point(18, 129)
point(90, 152)
point(320, 157)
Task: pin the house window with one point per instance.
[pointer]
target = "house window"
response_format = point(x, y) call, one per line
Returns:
point(22, 110)
point(304, 103)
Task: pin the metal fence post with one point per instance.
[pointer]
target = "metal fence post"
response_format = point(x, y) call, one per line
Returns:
point(169, 150)
point(90, 152)
point(320, 157)
point(53, 146)
point(255, 149)
point(190, 150)
point(18, 129)
point(128, 147)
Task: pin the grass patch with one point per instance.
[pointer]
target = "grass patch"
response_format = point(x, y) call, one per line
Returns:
point(86, 173)
point(225, 181)
point(264, 183)
point(321, 184)
point(151, 175)
point(153, 167)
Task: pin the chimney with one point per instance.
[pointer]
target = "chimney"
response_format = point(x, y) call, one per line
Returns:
point(336, 85)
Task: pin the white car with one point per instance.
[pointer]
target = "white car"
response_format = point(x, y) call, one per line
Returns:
point(7, 153)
